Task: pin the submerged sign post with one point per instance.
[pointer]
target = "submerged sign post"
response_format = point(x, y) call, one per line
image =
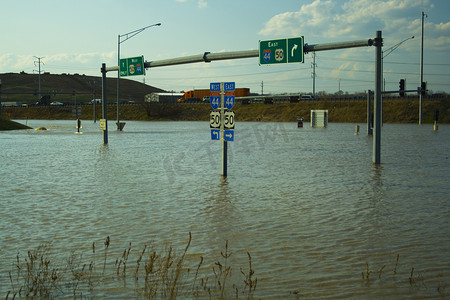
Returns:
point(281, 51)
point(221, 119)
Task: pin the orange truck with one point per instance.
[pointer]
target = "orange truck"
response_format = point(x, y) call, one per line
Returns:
point(199, 96)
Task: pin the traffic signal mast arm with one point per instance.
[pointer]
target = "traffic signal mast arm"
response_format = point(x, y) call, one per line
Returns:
point(208, 57)
point(401, 89)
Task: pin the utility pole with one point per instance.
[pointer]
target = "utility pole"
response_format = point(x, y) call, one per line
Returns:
point(262, 87)
point(421, 76)
point(39, 63)
point(383, 55)
point(313, 75)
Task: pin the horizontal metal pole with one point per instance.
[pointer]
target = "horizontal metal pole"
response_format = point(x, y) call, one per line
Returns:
point(397, 91)
point(341, 45)
point(208, 57)
point(114, 68)
point(205, 57)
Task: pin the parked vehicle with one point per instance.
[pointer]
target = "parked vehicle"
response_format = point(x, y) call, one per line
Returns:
point(56, 103)
point(197, 96)
point(306, 97)
point(163, 97)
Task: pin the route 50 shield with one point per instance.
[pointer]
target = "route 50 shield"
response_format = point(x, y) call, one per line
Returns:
point(214, 119)
point(229, 120)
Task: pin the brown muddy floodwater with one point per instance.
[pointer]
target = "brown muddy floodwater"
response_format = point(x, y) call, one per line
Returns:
point(318, 218)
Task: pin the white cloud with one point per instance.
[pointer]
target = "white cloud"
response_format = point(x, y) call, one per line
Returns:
point(202, 4)
point(443, 27)
point(351, 19)
point(58, 63)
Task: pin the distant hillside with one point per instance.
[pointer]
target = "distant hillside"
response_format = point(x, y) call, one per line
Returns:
point(130, 90)
point(394, 111)
point(11, 125)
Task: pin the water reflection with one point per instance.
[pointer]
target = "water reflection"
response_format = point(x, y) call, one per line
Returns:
point(219, 213)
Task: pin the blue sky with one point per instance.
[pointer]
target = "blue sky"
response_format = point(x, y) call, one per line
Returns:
point(78, 36)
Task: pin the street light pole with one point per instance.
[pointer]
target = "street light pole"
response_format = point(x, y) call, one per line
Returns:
point(421, 74)
point(383, 55)
point(127, 36)
point(390, 50)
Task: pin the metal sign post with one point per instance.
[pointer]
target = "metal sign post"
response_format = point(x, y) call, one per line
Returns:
point(377, 103)
point(104, 124)
point(221, 119)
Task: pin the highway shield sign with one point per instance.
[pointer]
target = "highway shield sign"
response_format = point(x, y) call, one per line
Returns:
point(229, 120)
point(214, 119)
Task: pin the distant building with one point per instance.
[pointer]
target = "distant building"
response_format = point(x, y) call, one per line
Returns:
point(163, 97)
point(11, 104)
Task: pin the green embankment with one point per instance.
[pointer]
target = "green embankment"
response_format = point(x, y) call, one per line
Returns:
point(394, 111)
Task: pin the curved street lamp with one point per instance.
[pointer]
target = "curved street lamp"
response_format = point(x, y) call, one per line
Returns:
point(383, 55)
point(389, 51)
point(126, 36)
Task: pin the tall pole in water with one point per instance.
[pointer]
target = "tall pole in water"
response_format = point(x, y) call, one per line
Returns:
point(421, 77)
point(104, 104)
point(314, 74)
point(377, 103)
point(222, 131)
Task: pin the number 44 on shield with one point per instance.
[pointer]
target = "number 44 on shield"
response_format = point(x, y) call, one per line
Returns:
point(229, 102)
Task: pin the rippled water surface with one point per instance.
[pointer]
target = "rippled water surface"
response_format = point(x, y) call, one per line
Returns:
point(307, 204)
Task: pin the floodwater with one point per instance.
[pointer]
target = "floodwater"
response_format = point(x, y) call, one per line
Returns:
point(317, 217)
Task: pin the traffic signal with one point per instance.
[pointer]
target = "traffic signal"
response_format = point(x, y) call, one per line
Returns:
point(423, 88)
point(401, 88)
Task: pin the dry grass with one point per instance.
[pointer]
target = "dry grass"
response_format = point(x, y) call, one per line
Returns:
point(415, 280)
point(155, 273)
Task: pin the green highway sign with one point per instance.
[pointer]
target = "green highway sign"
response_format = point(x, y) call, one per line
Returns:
point(281, 51)
point(132, 66)
point(295, 50)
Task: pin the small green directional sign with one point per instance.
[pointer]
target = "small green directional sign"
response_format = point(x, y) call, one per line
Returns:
point(295, 50)
point(132, 66)
point(281, 51)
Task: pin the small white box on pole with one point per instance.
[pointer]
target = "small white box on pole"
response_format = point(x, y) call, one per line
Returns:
point(319, 118)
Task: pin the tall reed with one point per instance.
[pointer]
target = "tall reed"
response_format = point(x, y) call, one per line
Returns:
point(156, 273)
